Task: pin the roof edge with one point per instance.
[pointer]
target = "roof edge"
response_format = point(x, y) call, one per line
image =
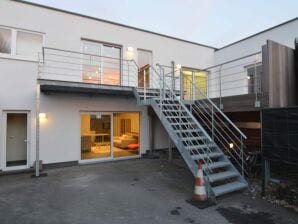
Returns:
point(110, 22)
point(253, 35)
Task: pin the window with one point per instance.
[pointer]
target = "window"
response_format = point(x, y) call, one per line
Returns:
point(253, 77)
point(101, 63)
point(5, 41)
point(20, 44)
point(28, 44)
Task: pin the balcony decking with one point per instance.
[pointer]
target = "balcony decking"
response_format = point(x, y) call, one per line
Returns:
point(244, 102)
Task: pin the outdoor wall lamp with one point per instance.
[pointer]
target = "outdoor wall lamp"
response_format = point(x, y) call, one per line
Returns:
point(130, 49)
point(42, 115)
point(178, 66)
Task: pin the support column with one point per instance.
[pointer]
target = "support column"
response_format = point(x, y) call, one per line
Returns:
point(170, 150)
point(265, 175)
point(37, 129)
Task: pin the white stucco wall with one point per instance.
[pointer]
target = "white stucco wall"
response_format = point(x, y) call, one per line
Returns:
point(65, 31)
point(284, 34)
point(233, 75)
point(17, 93)
point(60, 132)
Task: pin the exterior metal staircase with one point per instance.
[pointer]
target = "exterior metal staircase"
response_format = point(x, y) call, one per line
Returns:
point(190, 132)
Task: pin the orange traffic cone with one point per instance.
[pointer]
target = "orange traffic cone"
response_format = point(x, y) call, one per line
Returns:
point(200, 189)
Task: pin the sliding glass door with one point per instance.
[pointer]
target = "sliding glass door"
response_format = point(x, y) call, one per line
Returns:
point(96, 135)
point(106, 136)
point(101, 63)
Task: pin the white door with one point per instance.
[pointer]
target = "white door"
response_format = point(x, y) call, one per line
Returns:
point(16, 140)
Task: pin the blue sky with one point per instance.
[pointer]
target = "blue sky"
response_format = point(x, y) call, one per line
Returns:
point(211, 22)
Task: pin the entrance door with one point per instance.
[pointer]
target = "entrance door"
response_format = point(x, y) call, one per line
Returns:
point(199, 78)
point(144, 61)
point(96, 134)
point(16, 141)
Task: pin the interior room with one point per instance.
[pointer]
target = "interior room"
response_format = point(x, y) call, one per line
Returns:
point(109, 135)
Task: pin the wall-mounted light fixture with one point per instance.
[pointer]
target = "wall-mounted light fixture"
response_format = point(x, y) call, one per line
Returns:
point(248, 77)
point(130, 53)
point(42, 115)
point(130, 49)
point(258, 57)
point(178, 66)
point(231, 145)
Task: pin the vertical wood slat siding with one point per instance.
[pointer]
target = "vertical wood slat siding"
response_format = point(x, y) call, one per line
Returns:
point(279, 68)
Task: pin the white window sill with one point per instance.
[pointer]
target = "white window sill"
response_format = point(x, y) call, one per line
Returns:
point(18, 58)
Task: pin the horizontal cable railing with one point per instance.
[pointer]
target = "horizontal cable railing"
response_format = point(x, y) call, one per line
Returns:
point(240, 76)
point(222, 130)
point(62, 65)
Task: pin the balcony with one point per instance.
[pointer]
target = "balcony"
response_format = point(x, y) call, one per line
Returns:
point(74, 72)
point(233, 86)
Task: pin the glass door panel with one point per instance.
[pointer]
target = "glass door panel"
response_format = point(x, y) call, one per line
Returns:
point(91, 64)
point(126, 139)
point(197, 77)
point(111, 65)
point(101, 63)
point(95, 136)
point(144, 62)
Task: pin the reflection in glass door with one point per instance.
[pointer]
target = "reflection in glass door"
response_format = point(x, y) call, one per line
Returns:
point(101, 63)
point(95, 136)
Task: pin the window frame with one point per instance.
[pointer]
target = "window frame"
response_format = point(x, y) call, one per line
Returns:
point(13, 52)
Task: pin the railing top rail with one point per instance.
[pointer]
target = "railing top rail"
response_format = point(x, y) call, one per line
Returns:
point(220, 111)
point(227, 62)
point(87, 54)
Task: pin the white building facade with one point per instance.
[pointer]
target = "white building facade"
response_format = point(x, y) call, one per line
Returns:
point(88, 127)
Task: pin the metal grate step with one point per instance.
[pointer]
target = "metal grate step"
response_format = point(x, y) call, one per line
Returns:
point(216, 165)
point(227, 188)
point(222, 176)
point(209, 155)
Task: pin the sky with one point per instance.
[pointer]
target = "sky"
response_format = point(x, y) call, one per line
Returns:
point(212, 22)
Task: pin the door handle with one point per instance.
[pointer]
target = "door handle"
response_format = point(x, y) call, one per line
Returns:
point(26, 140)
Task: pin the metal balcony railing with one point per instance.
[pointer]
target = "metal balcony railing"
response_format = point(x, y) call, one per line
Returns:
point(63, 65)
point(240, 76)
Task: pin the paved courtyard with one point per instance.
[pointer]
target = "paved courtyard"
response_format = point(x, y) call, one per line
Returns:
point(131, 191)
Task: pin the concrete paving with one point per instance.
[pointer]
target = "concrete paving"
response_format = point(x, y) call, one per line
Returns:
point(132, 191)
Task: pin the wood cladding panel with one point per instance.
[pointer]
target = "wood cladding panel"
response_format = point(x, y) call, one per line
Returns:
point(280, 69)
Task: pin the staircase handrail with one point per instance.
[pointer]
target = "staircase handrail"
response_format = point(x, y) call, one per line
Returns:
point(240, 147)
